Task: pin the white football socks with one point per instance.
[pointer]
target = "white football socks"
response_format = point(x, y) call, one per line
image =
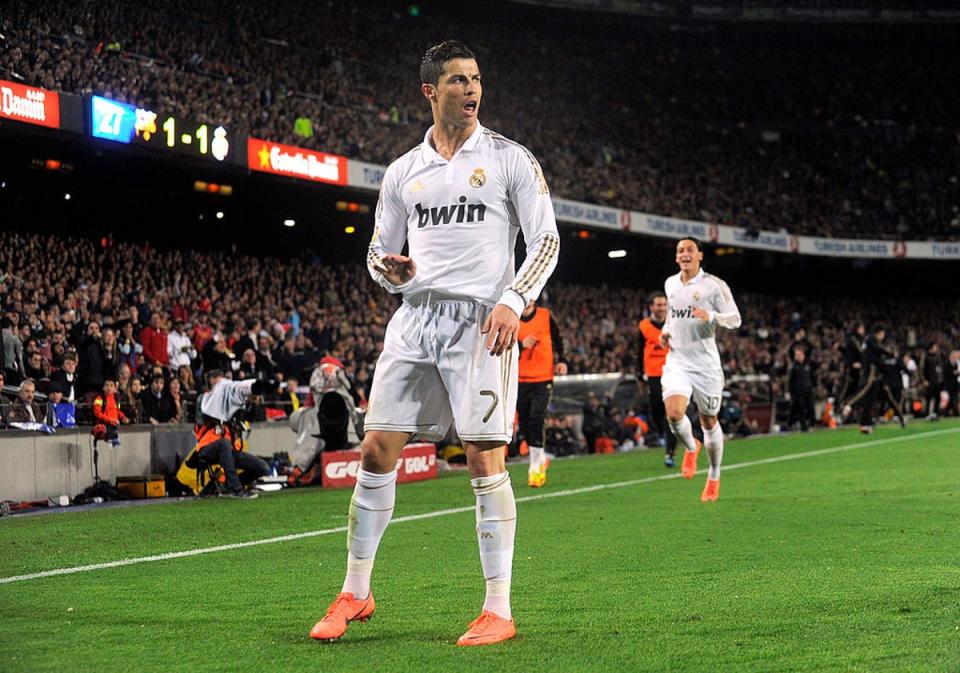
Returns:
point(496, 529)
point(713, 442)
point(683, 431)
point(371, 508)
point(537, 458)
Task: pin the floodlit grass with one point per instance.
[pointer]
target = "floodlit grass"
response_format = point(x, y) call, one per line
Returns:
point(839, 561)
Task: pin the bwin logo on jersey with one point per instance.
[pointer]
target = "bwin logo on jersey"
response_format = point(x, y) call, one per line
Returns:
point(681, 312)
point(462, 212)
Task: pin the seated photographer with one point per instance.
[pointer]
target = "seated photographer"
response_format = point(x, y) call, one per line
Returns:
point(219, 432)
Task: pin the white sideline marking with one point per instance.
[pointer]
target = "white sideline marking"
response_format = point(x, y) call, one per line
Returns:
point(456, 510)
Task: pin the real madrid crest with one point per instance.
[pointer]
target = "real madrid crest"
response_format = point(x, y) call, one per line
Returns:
point(696, 296)
point(478, 179)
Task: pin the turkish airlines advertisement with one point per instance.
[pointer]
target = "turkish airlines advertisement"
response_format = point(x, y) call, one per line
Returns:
point(416, 463)
point(29, 105)
point(296, 162)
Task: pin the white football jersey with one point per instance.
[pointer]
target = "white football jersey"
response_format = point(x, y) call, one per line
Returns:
point(461, 218)
point(692, 341)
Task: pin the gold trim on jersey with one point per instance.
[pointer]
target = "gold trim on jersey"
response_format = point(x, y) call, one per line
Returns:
point(545, 255)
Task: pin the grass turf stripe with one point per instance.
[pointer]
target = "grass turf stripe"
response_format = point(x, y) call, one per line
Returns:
point(460, 510)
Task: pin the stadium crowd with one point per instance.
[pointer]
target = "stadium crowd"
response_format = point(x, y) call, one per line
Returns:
point(76, 313)
point(857, 139)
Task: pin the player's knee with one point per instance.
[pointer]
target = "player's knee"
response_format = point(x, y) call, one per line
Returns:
point(708, 422)
point(675, 413)
point(379, 451)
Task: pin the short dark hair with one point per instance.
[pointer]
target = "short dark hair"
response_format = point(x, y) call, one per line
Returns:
point(431, 65)
point(156, 377)
point(877, 328)
point(654, 296)
point(696, 242)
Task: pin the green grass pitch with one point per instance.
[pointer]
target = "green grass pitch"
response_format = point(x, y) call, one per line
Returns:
point(814, 559)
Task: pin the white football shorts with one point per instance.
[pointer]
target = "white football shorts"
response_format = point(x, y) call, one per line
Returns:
point(434, 370)
point(705, 388)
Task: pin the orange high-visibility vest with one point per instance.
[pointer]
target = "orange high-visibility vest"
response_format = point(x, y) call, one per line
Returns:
point(536, 364)
point(654, 355)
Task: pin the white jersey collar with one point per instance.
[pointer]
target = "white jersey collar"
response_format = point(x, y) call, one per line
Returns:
point(695, 279)
point(430, 155)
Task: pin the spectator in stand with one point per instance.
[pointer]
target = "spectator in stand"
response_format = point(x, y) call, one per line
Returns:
point(123, 379)
point(12, 352)
point(180, 350)
point(158, 407)
point(289, 400)
point(130, 349)
point(66, 378)
point(179, 403)
point(289, 361)
point(155, 341)
point(36, 367)
point(4, 403)
point(129, 400)
point(248, 338)
point(187, 383)
point(202, 332)
point(111, 351)
point(25, 409)
point(248, 366)
point(92, 367)
point(107, 411)
point(60, 414)
point(265, 361)
point(216, 356)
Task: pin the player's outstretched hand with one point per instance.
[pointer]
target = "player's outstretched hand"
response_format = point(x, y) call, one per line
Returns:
point(397, 269)
point(501, 329)
point(560, 369)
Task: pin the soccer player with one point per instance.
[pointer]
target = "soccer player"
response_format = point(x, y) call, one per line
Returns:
point(852, 366)
point(698, 302)
point(882, 369)
point(541, 356)
point(458, 201)
point(654, 355)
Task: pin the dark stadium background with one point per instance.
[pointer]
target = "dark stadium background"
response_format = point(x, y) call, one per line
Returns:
point(128, 194)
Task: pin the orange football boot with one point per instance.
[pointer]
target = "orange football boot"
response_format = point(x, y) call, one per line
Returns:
point(711, 491)
point(690, 461)
point(342, 611)
point(538, 479)
point(487, 629)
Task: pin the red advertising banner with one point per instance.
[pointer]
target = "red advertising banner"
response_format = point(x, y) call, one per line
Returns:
point(29, 105)
point(296, 162)
point(416, 463)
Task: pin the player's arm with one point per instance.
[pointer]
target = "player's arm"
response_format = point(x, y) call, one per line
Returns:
point(386, 265)
point(667, 329)
point(726, 313)
point(531, 202)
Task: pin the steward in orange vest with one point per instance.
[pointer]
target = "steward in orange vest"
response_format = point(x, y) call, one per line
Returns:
point(541, 355)
point(654, 355)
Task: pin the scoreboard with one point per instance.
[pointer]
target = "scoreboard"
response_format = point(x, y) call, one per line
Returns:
point(125, 123)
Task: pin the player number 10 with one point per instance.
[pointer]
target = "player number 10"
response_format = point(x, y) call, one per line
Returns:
point(201, 134)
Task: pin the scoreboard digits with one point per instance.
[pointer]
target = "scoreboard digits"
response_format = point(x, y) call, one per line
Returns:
point(125, 123)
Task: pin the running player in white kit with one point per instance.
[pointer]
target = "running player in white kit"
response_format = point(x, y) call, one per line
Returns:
point(698, 303)
point(458, 201)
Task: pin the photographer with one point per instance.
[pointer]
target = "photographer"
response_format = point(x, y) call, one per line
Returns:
point(219, 431)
